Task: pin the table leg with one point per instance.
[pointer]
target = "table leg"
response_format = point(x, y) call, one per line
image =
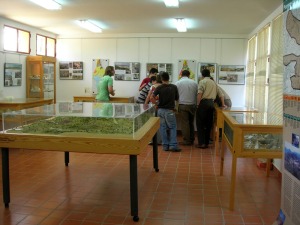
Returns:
point(233, 178)
point(5, 177)
point(222, 157)
point(268, 167)
point(133, 187)
point(155, 153)
point(67, 158)
point(216, 140)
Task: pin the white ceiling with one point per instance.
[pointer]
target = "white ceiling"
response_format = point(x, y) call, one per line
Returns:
point(143, 16)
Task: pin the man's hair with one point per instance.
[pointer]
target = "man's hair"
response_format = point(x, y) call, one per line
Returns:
point(153, 70)
point(158, 78)
point(185, 73)
point(153, 78)
point(109, 70)
point(205, 73)
point(165, 76)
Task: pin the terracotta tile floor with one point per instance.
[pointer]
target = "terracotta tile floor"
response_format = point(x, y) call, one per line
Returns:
point(94, 189)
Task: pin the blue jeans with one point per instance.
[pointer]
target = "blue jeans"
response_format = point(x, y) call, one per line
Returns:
point(168, 122)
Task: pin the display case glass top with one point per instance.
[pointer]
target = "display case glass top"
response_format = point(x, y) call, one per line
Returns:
point(80, 119)
point(254, 118)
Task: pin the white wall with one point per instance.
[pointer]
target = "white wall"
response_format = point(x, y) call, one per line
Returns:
point(155, 49)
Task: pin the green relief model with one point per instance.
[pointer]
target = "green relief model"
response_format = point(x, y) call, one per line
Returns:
point(68, 124)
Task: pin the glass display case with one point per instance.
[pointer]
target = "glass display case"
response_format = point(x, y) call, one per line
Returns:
point(79, 118)
point(219, 120)
point(40, 77)
point(84, 127)
point(250, 135)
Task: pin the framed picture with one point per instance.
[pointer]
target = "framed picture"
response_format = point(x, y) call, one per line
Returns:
point(212, 67)
point(71, 70)
point(190, 65)
point(127, 71)
point(12, 74)
point(165, 67)
point(230, 74)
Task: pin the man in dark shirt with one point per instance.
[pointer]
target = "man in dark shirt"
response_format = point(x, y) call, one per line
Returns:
point(167, 94)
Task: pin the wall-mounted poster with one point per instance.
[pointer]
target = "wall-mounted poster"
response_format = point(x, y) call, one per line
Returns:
point(165, 67)
point(212, 67)
point(127, 71)
point(71, 70)
point(98, 68)
point(189, 65)
point(12, 74)
point(229, 74)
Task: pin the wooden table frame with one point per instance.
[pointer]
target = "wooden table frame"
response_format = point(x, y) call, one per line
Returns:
point(237, 148)
point(106, 144)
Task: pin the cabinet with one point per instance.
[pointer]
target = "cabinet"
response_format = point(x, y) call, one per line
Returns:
point(40, 77)
point(250, 135)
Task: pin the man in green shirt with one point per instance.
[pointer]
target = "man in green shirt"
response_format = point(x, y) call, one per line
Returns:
point(105, 85)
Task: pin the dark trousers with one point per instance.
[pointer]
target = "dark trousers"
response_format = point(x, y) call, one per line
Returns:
point(187, 114)
point(204, 120)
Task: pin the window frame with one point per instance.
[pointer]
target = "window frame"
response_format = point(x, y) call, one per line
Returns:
point(47, 38)
point(18, 30)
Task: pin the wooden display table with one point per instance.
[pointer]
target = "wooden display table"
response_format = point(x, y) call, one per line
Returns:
point(219, 121)
point(112, 99)
point(250, 135)
point(84, 142)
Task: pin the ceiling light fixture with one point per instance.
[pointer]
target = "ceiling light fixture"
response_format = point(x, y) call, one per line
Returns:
point(172, 3)
point(181, 26)
point(47, 4)
point(86, 24)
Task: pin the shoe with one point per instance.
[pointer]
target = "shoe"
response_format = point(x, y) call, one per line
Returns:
point(150, 143)
point(175, 149)
point(203, 146)
point(166, 150)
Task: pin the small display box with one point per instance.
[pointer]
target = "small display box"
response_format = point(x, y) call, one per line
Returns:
point(250, 135)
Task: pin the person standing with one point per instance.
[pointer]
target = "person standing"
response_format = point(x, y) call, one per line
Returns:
point(145, 81)
point(187, 89)
point(207, 92)
point(145, 90)
point(105, 85)
point(227, 99)
point(167, 94)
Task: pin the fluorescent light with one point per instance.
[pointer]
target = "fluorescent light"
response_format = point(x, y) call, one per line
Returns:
point(90, 26)
point(48, 4)
point(181, 27)
point(171, 3)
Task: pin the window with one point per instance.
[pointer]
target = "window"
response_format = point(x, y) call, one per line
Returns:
point(16, 40)
point(45, 46)
point(264, 78)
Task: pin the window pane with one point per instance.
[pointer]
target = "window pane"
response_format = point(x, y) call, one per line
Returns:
point(10, 39)
point(23, 41)
point(50, 47)
point(275, 104)
point(40, 45)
